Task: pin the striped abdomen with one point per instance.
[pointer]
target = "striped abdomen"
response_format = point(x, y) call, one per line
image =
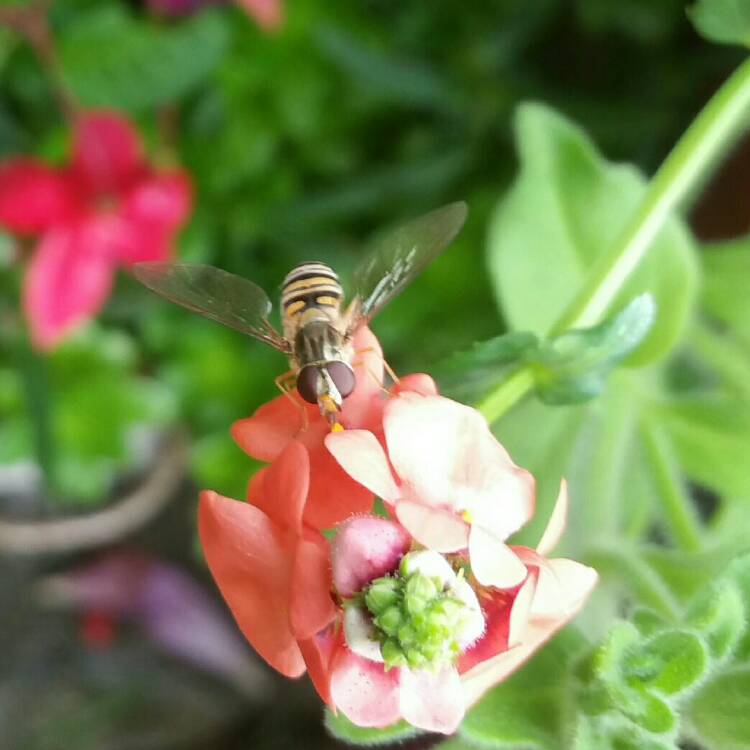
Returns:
point(310, 286)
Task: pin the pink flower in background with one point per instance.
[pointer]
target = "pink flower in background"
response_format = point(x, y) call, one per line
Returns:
point(268, 14)
point(106, 209)
point(451, 483)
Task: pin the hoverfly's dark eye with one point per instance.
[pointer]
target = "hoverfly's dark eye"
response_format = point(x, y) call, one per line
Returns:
point(308, 380)
point(342, 376)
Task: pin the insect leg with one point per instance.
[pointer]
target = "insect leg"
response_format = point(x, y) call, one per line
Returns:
point(286, 383)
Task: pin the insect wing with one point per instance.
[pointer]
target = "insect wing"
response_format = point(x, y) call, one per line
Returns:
point(399, 257)
point(221, 296)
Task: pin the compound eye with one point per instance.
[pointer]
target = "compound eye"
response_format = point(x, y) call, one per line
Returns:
point(308, 381)
point(342, 376)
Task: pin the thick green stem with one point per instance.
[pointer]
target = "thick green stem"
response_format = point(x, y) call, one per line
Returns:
point(677, 505)
point(688, 166)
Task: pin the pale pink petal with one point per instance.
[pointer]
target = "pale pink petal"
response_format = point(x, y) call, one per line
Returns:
point(432, 700)
point(269, 14)
point(556, 523)
point(362, 457)
point(107, 154)
point(363, 691)
point(493, 562)
point(366, 548)
point(436, 529)
point(521, 610)
point(417, 382)
point(67, 282)
point(562, 588)
point(358, 633)
point(575, 582)
point(447, 455)
point(34, 197)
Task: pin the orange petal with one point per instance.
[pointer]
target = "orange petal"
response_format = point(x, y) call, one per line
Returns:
point(250, 565)
point(312, 607)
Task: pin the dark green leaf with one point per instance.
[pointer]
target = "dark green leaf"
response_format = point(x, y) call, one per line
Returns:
point(111, 59)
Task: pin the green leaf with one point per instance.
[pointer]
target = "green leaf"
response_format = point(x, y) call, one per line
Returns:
point(343, 729)
point(574, 366)
point(720, 711)
point(111, 59)
point(566, 207)
point(727, 267)
point(525, 711)
point(484, 365)
point(719, 614)
point(723, 21)
point(616, 733)
point(711, 436)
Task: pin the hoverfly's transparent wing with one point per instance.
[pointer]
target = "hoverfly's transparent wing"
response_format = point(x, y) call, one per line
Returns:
point(228, 299)
point(399, 257)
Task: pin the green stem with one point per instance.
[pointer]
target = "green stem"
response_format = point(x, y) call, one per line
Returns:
point(687, 167)
point(506, 394)
point(677, 504)
point(37, 393)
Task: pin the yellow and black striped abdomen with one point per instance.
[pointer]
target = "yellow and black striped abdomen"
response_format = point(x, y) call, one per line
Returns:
point(310, 285)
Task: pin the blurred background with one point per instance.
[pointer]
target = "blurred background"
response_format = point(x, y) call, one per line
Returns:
point(303, 126)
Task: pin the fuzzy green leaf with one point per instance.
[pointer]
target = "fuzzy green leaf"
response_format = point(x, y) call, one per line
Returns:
point(719, 614)
point(720, 711)
point(574, 366)
point(343, 729)
point(723, 21)
point(567, 206)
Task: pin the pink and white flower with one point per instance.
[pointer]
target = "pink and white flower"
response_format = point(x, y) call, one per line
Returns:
point(449, 481)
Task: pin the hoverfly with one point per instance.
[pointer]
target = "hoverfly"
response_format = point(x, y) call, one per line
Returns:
point(317, 327)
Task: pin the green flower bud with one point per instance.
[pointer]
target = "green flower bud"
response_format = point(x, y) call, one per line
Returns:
point(382, 594)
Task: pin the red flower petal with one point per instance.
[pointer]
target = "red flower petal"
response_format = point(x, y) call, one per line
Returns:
point(312, 607)
point(33, 197)
point(318, 653)
point(364, 692)
point(280, 490)
point(155, 209)
point(107, 154)
point(496, 607)
point(250, 563)
point(68, 280)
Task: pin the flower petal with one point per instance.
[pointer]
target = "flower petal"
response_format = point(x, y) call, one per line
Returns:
point(432, 701)
point(362, 457)
point(280, 490)
point(562, 588)
point(446, 453)
point(358, 632)
point(575, 583)
point(417, 382)
point(268, 14)
point(556, 523)
point(312, 607)
point(107, 154)
point(250, 564)
point(33, 197)
point(436, 529)
point(318, 653)
point(366, 548)
point(493, 562)
point(154, 210)
point(520, 612)
point(67, 281)
point(364, 692)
